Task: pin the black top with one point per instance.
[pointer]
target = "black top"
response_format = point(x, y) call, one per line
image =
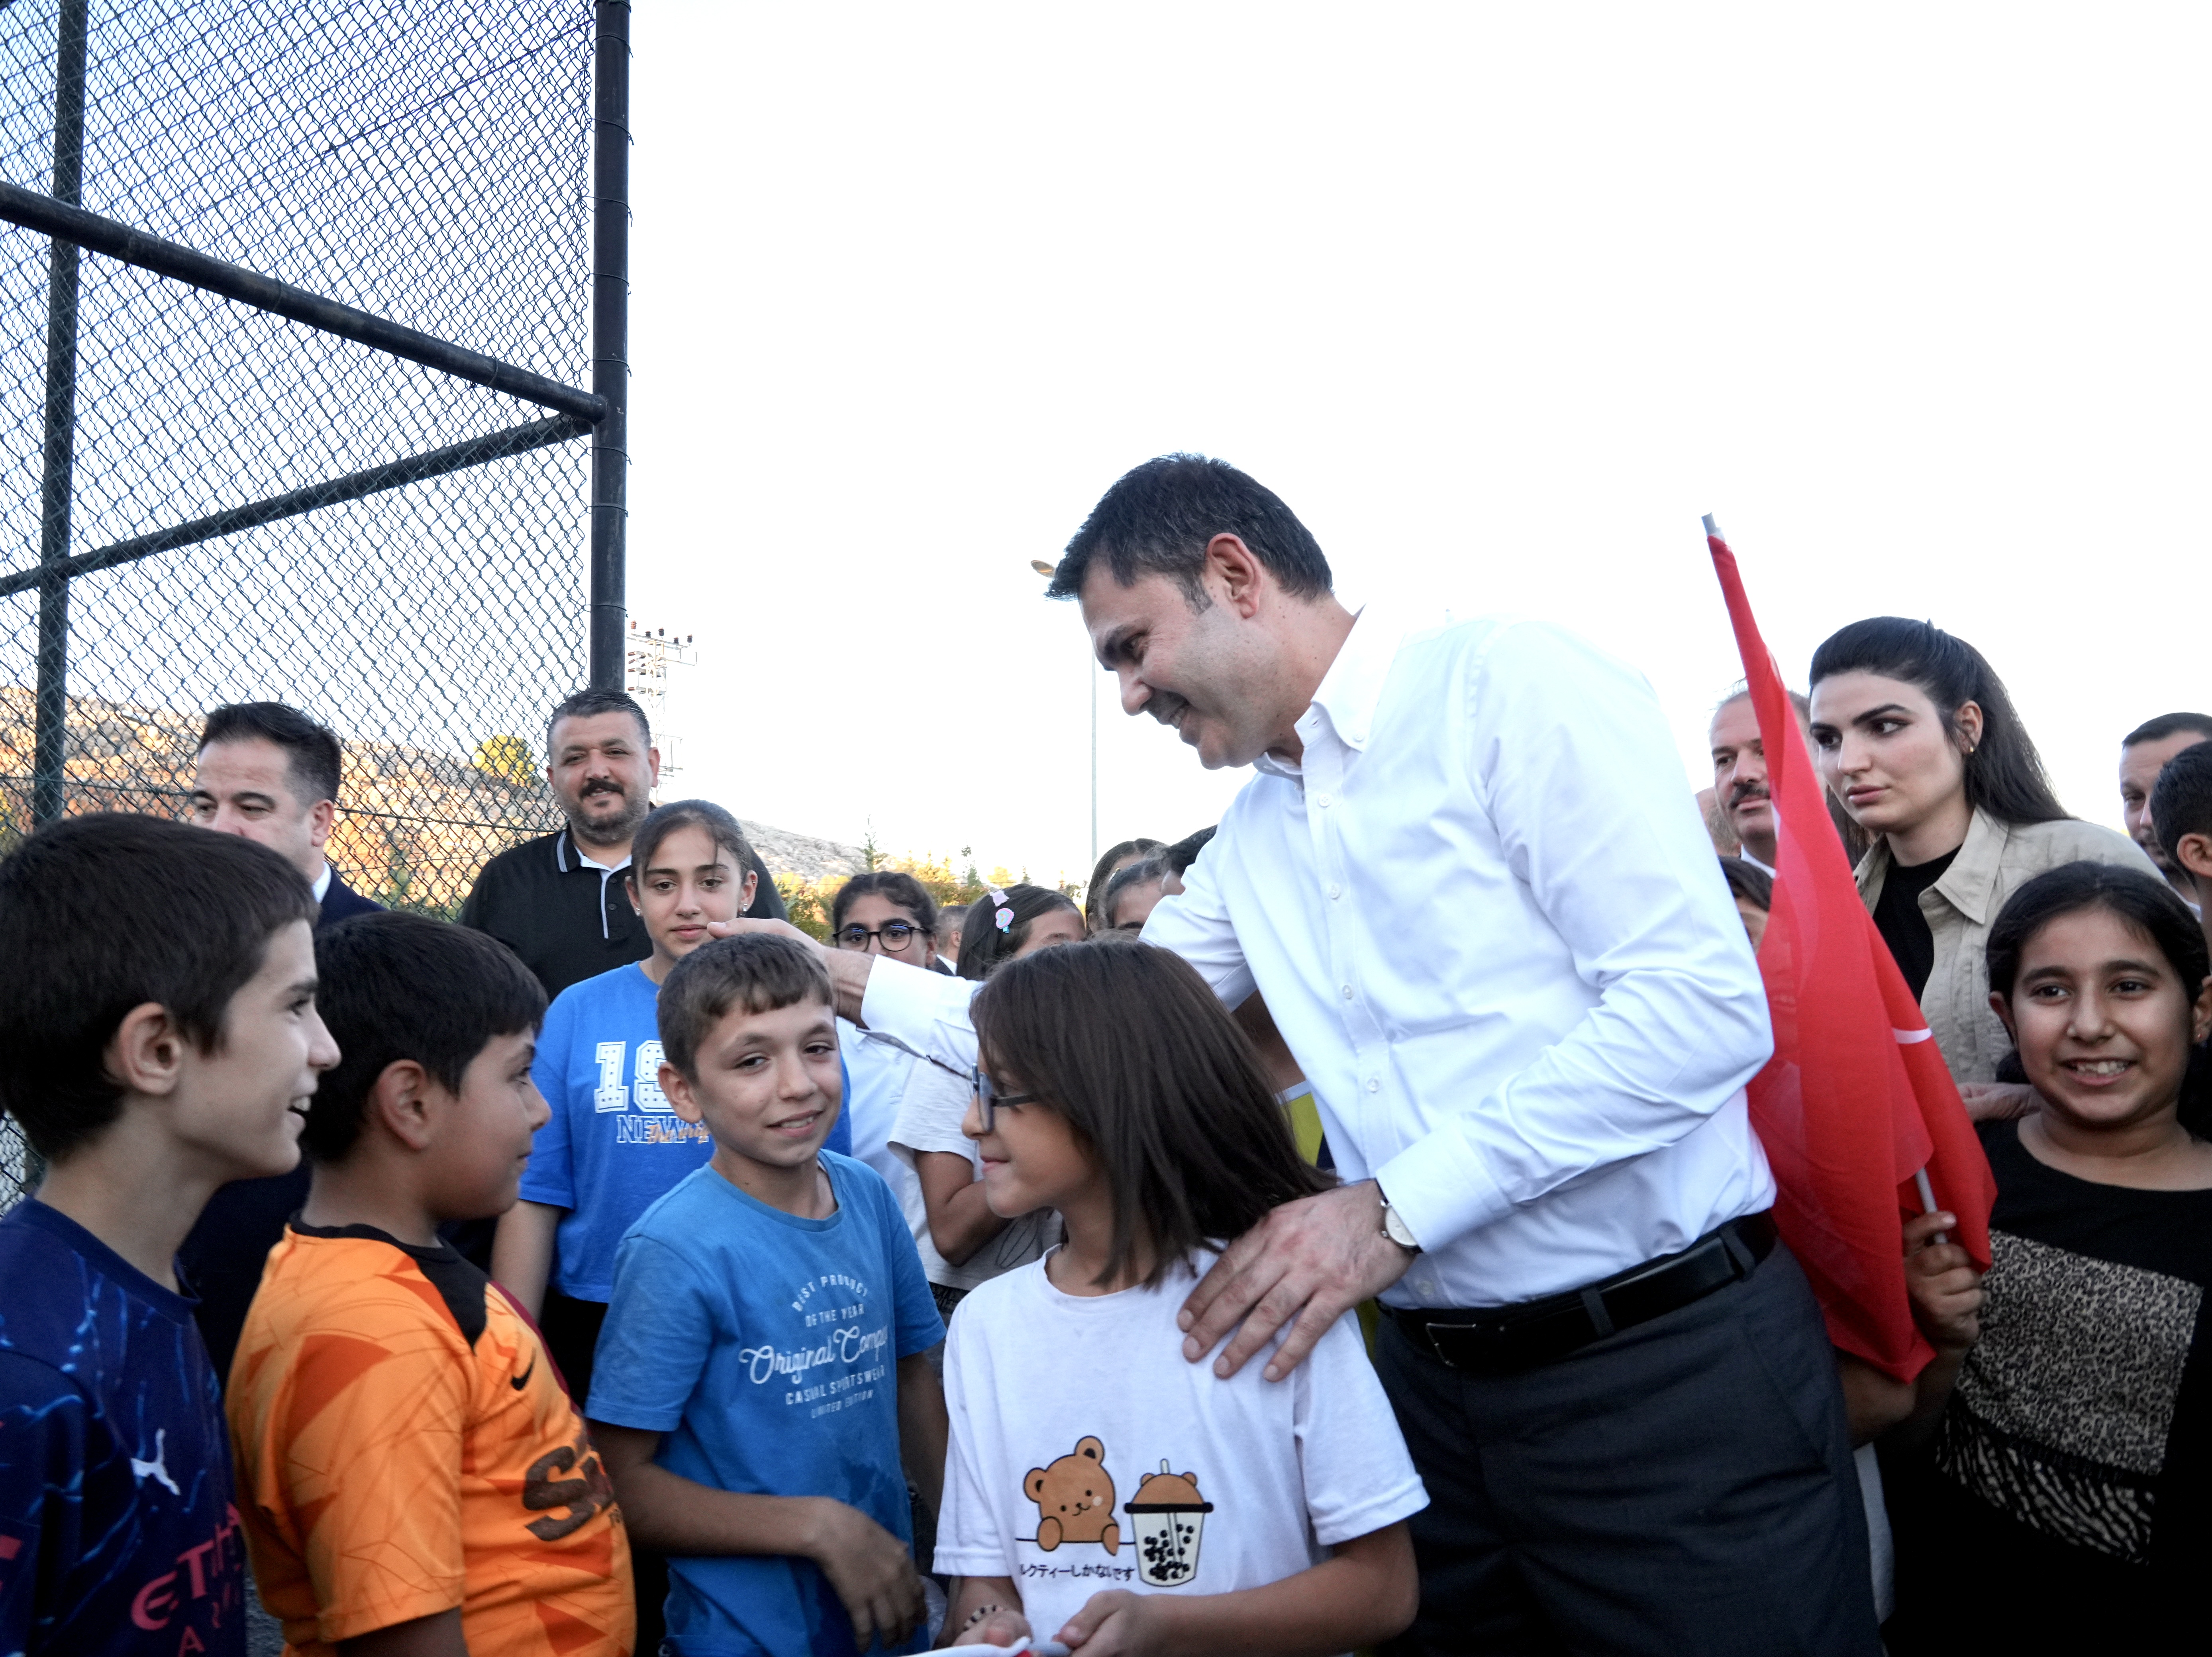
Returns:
point(1896, 917)
point(2068, 1499)
point(569, 920)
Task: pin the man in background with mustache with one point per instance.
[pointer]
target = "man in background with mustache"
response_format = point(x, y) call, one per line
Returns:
point(558, 901)
point(1740, 775)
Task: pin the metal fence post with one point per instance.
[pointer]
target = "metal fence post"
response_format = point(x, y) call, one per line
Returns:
point(610, 142)
point(57, 487)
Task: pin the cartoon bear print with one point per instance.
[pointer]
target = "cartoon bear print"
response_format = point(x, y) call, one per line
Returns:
point(1075, 1499)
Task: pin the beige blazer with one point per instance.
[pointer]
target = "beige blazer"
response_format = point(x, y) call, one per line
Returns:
point(1996, 860)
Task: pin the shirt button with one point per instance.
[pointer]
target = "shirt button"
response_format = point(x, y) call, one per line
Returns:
point(1322, 800)
point(1347, 992)
point(1375, 1084)
point(1335, 890)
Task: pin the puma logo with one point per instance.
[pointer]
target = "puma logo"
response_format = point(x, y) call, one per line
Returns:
point(139, 1469)
point(519, 1381)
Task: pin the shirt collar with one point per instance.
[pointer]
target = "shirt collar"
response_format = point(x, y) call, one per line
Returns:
point(323, 883)
point(1969, 884)
point(1347, 698)
point(564, 844)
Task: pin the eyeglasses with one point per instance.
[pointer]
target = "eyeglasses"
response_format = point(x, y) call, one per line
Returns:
point(894, 936)
point(989, 1098)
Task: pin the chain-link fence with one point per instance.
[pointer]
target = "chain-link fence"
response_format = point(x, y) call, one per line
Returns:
point(204, 501)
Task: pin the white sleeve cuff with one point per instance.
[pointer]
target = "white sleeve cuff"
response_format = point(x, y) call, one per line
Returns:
point(1441, 1188)
point(926, 1011)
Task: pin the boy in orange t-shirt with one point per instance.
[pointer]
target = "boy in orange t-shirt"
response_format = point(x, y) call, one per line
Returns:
point(409, 1464)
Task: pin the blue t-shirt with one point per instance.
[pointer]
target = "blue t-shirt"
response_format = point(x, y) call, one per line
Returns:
point(613, 1146)
point(116, 1529)
point(763, 1347)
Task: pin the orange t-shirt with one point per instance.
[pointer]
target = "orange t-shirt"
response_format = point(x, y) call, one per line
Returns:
point(405, 1447)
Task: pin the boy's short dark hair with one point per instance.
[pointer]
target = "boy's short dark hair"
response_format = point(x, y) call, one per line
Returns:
point(2181, 798)
point(396, 986)
point(102, 913)
point(591, 701)
point(757, 973)
point(315, 759)
point(1159, 518)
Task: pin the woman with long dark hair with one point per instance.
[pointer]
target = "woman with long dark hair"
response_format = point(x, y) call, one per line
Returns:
point(1915, 733)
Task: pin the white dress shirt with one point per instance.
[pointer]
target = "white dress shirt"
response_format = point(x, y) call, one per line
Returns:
point(1486, 916)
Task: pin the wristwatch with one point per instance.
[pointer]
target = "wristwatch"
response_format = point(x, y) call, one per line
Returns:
point(1394, 1227)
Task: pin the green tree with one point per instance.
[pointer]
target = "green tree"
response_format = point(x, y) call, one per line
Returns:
point(507, 757)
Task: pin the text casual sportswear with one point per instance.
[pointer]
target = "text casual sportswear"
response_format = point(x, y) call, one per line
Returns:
point(764, 1349)
point(404, 1448)
point(117, 1531)
point(1087, 1454)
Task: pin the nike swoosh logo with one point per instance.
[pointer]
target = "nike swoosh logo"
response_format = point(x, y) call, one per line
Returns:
point(523, 1380)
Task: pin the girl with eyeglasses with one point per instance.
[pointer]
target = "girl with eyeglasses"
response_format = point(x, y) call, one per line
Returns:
point(889, 913)
point(963, 1243)
point(1100, 1490)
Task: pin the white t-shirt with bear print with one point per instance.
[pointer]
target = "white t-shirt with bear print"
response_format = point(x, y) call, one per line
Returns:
point(1086, 1454)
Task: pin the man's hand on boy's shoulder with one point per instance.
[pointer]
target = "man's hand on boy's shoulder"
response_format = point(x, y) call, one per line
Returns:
point(871, 1571)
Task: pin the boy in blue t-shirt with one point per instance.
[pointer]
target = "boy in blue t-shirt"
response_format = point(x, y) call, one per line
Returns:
point(762, 1365)
point(155, 1051)
point(613, 1145)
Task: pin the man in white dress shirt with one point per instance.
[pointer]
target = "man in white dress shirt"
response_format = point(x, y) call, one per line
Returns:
point(1478, 901)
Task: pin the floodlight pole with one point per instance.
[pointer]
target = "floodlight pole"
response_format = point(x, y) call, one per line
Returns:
point(611, 141)
point(57, 489)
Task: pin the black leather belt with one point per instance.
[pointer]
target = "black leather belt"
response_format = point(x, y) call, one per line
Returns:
point(1499, 1340)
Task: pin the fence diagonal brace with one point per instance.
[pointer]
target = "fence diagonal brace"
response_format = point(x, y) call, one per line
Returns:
point(398, 474)
point(35, 210)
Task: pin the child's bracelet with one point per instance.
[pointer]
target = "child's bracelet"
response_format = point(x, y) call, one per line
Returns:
point(978, 1614)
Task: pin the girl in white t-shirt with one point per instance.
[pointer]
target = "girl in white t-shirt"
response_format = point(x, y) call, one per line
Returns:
point(1101, 1491)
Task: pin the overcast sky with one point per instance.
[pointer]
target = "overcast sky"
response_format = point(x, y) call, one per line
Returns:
point(1498, 298)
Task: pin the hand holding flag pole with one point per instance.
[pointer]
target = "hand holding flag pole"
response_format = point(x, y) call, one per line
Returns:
point(1859, 1118)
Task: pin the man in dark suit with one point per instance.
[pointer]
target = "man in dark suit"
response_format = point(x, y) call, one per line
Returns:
point(269, 774)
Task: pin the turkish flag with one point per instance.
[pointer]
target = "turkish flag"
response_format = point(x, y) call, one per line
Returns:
point(1855, 1101)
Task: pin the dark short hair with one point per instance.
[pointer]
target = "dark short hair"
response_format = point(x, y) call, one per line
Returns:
point(312, 753)
point(2004, 775)
point(1127, 1044)
point(2140, 900)
point(1145, 869)
point(2168, 725)
point(593, 701)
point(2181, 798)
point(1158, 518)
point(757, 973)
point(1102, 874)
point(894, 886)
point(404, 987)
point(664, 820)
point(1747, 881)
point(100, 914)
point(1180, 856)
point(984, 947)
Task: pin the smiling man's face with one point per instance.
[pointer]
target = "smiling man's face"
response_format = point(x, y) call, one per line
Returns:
point(1207, 673)
point(604, 773)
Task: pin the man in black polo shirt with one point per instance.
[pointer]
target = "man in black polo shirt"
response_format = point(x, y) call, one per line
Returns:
point(559, 901)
